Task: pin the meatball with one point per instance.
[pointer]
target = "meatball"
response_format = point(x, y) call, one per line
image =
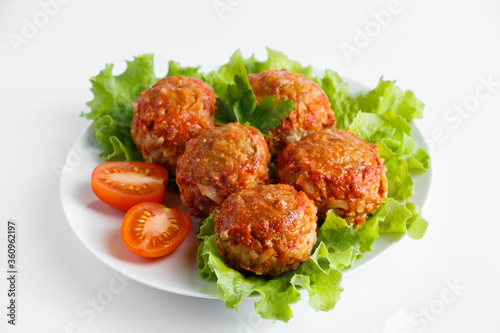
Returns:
point(266, 229)
point(218, 162)
point(312, 111)
point(168, 114)
point(338, 170)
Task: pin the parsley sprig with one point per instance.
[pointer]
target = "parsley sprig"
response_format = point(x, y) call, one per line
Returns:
point(240, 105)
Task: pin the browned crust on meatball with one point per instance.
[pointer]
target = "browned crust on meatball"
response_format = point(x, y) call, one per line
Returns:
point(218, 162)
point(266, 229)
point(311, 113)
point(168, 114)
point(338, 170)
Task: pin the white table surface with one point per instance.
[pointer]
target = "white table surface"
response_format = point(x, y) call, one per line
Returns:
point(443, 51)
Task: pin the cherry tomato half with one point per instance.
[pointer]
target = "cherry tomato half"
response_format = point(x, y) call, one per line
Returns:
point(152, 230)
point(125, 184)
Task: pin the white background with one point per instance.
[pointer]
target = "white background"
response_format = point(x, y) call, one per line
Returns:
point(440, 50)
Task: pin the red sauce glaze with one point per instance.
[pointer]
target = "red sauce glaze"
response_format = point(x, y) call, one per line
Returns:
point(312, 110)
point(168, 114)
point(218, 162)
point(338, 170)
point(266, 229)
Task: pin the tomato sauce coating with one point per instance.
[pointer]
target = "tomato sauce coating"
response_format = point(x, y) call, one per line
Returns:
point(312, 110)
point(168, 114)
point(218, 162)
point(338, 170)
point(266, 229)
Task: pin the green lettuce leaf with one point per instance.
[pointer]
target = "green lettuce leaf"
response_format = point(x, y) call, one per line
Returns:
point(323, 284)
point(111, 108)
point(207, 227)
point(342, 103)
point(416, 225)
point(175, 69)
point(224, 76)
point(278, 60)
point(387, 96)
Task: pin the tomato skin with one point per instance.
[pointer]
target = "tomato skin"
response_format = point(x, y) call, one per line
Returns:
point(152, 230)
point(125, 184)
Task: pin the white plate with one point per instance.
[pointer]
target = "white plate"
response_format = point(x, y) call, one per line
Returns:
point(97, 225)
